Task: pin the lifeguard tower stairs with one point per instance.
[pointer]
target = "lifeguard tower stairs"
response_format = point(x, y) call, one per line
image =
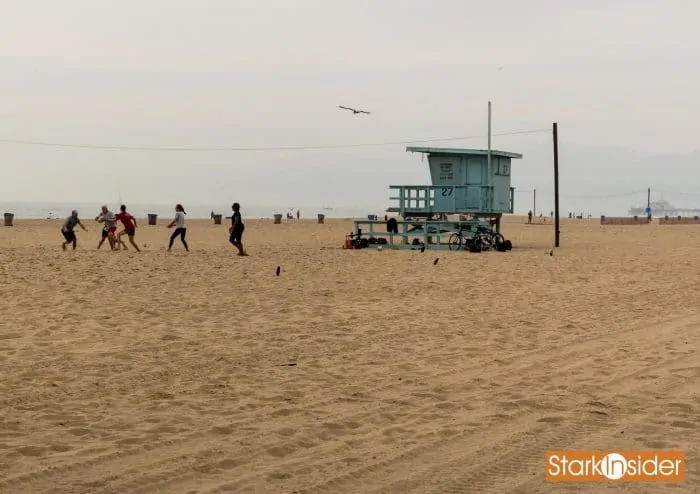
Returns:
point(473, 183)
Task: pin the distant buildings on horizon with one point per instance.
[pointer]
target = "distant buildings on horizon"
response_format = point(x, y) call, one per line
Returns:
point(663, 208)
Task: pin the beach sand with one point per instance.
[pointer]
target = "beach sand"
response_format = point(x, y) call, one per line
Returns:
point(353, 371)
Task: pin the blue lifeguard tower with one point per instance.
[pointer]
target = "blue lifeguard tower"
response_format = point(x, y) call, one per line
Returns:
point(473, 183)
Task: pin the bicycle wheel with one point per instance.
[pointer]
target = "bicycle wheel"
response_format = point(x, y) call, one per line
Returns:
point(497, 239)
point(455, 241)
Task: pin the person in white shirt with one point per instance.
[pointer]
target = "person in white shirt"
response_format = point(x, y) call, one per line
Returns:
point(109, 228)
point(180, 228)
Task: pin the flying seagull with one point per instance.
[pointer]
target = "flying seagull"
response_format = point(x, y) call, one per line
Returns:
point(355, 112)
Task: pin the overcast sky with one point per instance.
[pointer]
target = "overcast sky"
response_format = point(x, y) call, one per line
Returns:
point(614, 74)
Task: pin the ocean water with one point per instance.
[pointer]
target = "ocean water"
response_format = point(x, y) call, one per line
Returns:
point(42, 210)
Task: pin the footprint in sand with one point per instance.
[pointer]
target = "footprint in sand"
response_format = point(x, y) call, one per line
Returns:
point(551, 420)
point(32, 451)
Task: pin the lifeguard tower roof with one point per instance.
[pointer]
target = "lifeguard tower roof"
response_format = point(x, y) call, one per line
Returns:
point(458, 151)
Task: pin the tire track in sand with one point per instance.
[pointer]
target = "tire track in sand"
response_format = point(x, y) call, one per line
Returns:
point(429, 466)
point(203, 445)
point(413, 454)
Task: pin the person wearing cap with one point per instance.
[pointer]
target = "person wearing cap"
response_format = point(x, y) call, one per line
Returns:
point(236, 229)
point(180, 228)
point(68, 229)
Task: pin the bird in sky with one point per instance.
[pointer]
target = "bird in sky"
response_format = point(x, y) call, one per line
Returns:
point(355, 112)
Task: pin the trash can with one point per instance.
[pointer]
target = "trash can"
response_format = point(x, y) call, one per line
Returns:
point(321, 218)
point(217, 219)
point(152, 218)
point(9, 218)
point(278, 219)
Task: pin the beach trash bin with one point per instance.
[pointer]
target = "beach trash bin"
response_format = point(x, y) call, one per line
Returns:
point(9, 218)
point(152, 218)
point(321, 218)
point(278, 219)
point(217, 219)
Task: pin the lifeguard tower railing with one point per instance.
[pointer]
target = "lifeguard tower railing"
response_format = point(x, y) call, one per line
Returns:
point(424, 200)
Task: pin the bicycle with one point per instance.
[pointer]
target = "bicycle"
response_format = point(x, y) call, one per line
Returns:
point(457, 240)
point(486, 238)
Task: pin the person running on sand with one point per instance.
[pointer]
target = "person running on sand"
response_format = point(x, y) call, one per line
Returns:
point(109, 228)
point(68, 229)
point(237, 228)
point(180, 228)
point(129, 230)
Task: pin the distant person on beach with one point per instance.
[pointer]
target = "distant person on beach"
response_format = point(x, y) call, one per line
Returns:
point(109, 228)
point(180, 228)
point(237, 228)
point(129, 230)
point(68, 229)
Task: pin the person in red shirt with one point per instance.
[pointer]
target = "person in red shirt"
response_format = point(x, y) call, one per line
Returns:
point(129, 230)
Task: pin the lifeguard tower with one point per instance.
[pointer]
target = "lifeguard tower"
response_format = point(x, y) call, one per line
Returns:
point(465, 182)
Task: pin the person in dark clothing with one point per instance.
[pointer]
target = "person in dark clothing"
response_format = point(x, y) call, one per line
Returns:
point(237, 228)
point(180, 228)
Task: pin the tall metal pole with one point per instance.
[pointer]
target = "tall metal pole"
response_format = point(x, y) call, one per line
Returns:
point(488, 156)
point(555, 139)
point(534, 202)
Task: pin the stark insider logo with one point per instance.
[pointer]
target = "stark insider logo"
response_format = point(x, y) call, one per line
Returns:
point(604, 466)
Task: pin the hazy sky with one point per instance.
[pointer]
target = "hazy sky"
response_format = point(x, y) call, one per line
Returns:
point(622, 74)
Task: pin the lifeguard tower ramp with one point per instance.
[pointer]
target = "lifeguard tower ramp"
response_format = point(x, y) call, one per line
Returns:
point(465, 182)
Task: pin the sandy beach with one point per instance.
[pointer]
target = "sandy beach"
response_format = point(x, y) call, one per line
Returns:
point(356, 371)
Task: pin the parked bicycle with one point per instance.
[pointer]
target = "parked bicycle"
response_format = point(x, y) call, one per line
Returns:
point(458, 240)
point(487, 239)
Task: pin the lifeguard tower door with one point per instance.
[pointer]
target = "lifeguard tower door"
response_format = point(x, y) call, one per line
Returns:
point(474, 178)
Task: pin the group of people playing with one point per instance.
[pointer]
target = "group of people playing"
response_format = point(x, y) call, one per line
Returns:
point(109, 222)
point(109, 228)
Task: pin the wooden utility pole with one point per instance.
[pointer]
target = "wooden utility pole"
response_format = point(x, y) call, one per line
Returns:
point(556, 184)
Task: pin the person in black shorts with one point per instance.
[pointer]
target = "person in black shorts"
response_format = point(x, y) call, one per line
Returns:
point(237, 228)
point(68, 229)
